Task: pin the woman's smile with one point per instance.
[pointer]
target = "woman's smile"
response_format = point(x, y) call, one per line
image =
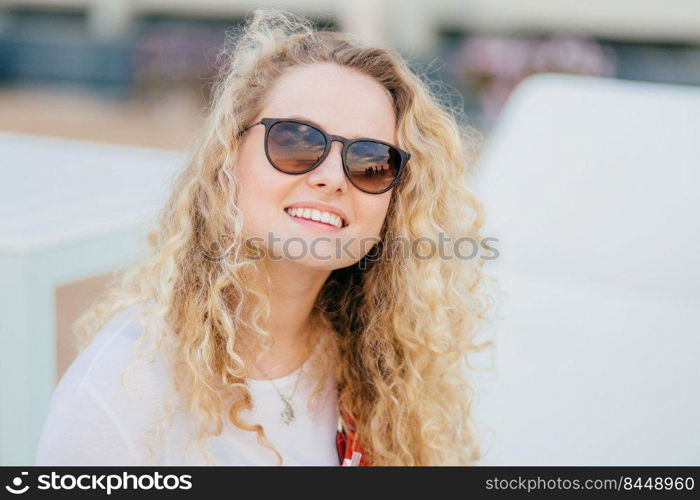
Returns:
point(301, 218)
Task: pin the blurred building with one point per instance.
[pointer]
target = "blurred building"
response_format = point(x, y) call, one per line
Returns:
point(146, 57)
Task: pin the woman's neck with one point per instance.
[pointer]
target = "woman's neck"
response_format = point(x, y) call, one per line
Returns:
point(292, 296)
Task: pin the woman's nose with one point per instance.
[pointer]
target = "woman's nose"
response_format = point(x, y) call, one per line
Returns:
point(330, 174)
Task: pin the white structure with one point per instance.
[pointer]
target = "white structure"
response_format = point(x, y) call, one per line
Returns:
point(592, 189)
point(69, 210)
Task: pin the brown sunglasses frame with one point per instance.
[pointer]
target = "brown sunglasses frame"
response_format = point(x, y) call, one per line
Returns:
point(329, 138)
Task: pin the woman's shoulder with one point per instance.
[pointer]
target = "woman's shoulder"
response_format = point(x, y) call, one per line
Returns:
point(111, 395)
point(113, 349)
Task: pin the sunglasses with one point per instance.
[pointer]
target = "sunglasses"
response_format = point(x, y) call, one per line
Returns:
point(296, 147)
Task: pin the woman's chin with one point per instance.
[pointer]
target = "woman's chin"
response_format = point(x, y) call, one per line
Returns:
point(319, 263)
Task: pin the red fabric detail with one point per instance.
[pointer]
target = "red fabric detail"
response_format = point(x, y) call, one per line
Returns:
point(340, 445)
point(346, 444)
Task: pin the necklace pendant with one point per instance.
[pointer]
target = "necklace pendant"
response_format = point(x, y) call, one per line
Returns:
point(288, 413)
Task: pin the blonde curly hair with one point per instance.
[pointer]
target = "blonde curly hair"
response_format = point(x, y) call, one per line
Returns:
point(397, 330)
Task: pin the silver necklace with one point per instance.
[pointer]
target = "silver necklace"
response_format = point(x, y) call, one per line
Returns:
point(287, 416)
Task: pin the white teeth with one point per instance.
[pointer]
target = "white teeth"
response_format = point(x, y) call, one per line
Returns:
point(317, 215)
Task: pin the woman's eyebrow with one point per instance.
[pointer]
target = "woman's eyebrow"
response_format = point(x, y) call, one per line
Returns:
point(304, 118)
point(299, 117)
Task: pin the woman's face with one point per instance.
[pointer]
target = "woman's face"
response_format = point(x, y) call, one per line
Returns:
point(342, 102)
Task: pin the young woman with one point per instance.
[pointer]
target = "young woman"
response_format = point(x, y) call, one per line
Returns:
point(296, 306)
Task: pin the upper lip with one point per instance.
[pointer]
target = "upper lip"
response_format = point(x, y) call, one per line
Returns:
point(322, 206)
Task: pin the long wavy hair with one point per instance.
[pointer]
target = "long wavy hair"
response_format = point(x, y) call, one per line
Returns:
point(395, 330)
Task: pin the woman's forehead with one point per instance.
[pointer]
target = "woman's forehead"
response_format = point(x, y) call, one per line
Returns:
point(352, 106)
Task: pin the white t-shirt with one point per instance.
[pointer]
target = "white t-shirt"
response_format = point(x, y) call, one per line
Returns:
point(94, 420)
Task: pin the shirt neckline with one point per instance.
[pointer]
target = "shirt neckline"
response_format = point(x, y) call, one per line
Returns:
point(283, 381)
point(266, 383)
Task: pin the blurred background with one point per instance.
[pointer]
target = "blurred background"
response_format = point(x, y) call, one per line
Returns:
point(136, 71)
point(100, 100)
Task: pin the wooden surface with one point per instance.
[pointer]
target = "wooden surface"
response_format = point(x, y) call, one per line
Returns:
point(72, 300)
point(169, 122)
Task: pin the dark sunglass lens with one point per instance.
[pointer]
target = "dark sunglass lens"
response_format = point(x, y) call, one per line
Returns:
point(373, 166)
point(294, 147)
